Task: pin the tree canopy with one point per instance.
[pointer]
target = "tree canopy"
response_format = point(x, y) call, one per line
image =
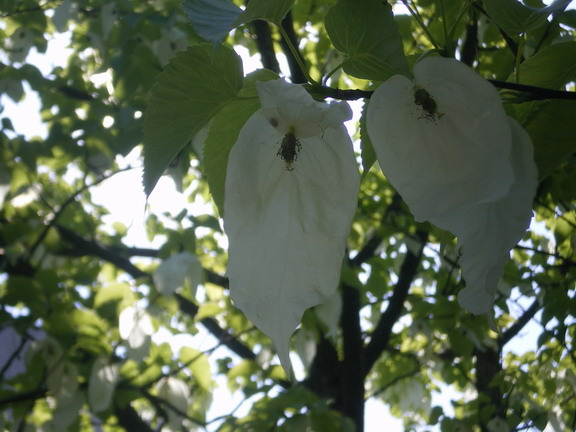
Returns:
point(185, 90)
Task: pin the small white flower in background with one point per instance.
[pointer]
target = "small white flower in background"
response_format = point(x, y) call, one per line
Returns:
point(135, 327)
point(62, 380)
point(329, 314)
point(290, 196)
point(175, 271)
point(445, 143)
point(177, 394)
point(18, 44)
point(103, 379)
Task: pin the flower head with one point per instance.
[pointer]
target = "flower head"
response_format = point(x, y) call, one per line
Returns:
point(290, 109)
point(287, 226)
point(445, 143)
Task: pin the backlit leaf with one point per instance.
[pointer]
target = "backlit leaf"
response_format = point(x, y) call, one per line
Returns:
point(369, 36)
point(195, 86)
point(212, 19)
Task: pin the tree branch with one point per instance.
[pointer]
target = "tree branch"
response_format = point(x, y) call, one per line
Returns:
point(213, 327)
point(515, 328)
point(86, 247)
point(488, 368)
point(394, 381)
point(265, 45)
point(296, 75)
point(470, 45)
point(350, 400)
point(117, 255)
point(21, 397)
point(383, 330)
point(536, 93)
point(371, 246)
point(130, 420)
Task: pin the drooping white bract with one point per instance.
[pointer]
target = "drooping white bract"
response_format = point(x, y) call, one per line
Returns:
point(135, 327)
point(445, 143)
point(175, 271)
point(287, 224)
point(441, 160)
point(103, 379)
point(495, 228)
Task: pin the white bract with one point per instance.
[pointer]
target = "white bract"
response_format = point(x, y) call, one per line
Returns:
point(177, 394)
point(175, 271)
point(445, 143)
point(135, 327)
point(288, 218)
point(103, 379)
point(492, 229)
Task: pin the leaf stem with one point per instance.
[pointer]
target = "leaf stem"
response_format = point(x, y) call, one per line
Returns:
point(329, 74)
point(447, 40)
point(414, 12)
point(519, 55)
point(463, 9)
point(296, 55)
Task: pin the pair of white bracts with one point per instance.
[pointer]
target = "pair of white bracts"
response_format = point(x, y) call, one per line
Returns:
point(450, 151)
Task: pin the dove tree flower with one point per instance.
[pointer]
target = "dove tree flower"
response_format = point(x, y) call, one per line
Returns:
point(135, 327)
point(445, 143)
point(290, 196)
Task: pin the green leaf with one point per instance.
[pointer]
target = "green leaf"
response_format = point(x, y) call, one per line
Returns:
point(369, 36)
point(212, 19)
point(113, 293)
point(515, 18)
point(553, 67)
point(552, 133)
point(269, 10)
point(550, 123)
point(198, 365)
point(196, 85)
point(367, 151)
point(224, 130)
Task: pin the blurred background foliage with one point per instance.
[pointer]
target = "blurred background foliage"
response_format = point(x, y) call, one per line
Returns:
point(80, 303)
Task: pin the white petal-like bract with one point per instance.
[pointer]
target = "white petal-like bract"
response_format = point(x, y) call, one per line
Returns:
point(495, 228)
point(289, 108)
point(445, 143)
point(103, 379)
point(446, 157)
point(135, 327)
point(287, 225)
point(175, 270)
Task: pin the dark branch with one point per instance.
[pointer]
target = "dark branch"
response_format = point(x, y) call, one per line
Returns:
point(14, 355)
point(213, 327)
point(515, 328)
point(118, 255)
point(350, 400)
point(87, 247)
point(535, 93)
point(63, 206)
point(130, 420)
point(395, 380)
point(488, 368)
point(22, 397)
point(296, 75)
point(470, 45)
point(371, 246)
point(383, 330)
point(265, 45)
